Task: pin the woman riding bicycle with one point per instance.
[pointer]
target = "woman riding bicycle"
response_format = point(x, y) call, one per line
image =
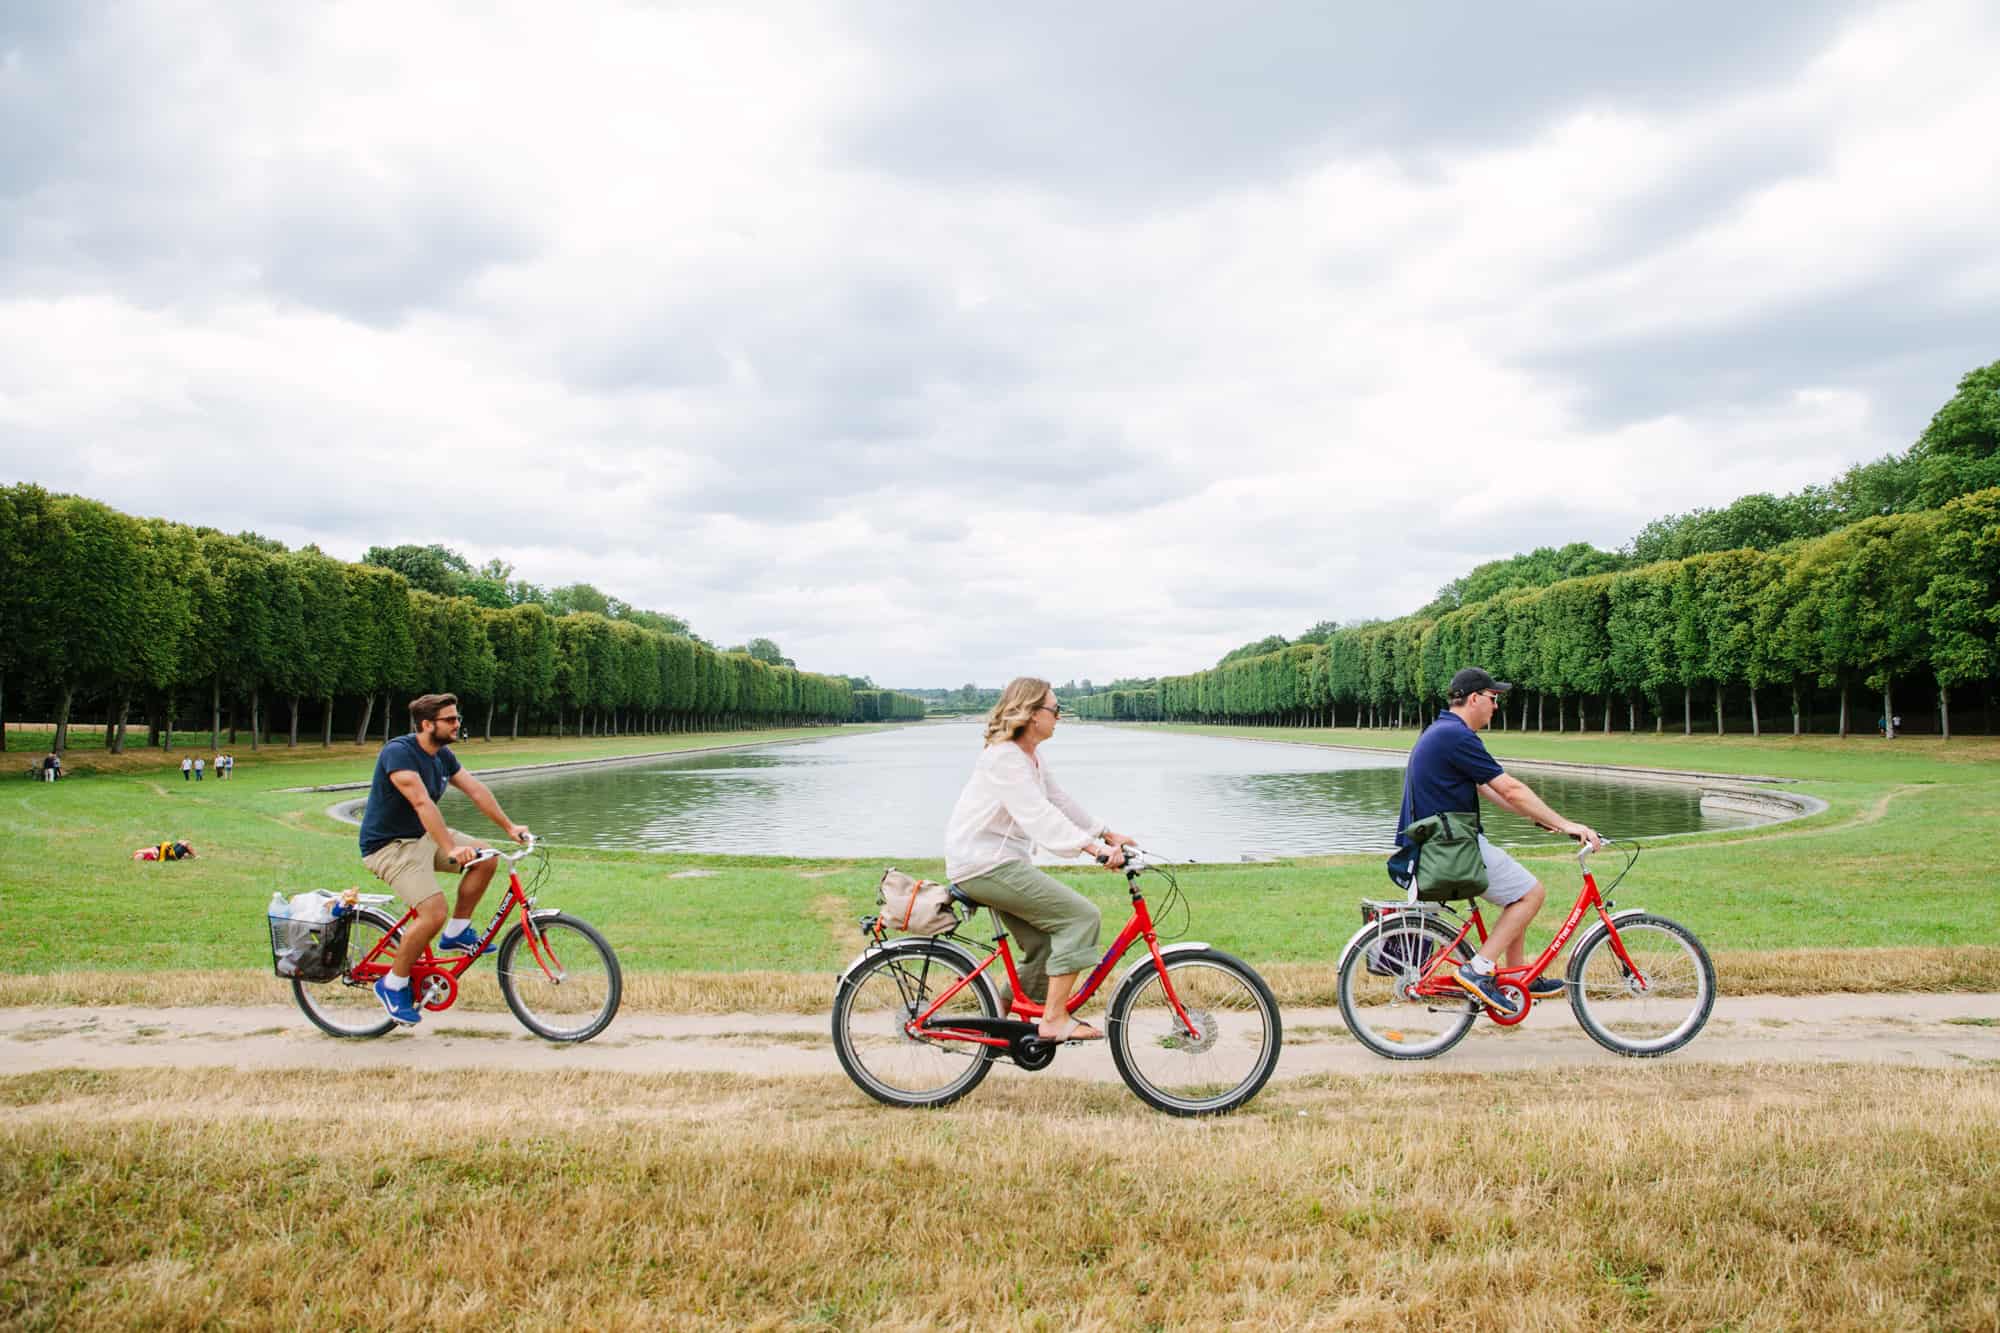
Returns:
point(1010, 806)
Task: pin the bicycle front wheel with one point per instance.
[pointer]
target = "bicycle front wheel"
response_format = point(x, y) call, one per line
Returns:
point(1227, 1057)
point(1377, 986)
point(345, 1007)
point(570, 993)
point(887, 991)
point(1659, 1008)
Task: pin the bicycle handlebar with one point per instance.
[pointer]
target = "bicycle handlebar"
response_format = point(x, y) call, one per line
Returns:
point(1135, 859)
point(528, 846)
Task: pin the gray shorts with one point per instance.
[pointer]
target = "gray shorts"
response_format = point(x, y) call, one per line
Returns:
point(1507, 880)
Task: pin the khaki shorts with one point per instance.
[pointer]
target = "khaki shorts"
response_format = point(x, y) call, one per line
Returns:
point(409, 866)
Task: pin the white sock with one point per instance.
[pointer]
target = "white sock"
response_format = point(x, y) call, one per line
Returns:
point(394, 982)
point(456, 924)
point(1482, 965)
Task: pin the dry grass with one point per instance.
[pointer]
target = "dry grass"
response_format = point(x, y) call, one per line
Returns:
point(1780, 972)
point(1667, 1197)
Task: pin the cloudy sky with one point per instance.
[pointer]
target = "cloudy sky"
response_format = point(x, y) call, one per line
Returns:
point(946, 342)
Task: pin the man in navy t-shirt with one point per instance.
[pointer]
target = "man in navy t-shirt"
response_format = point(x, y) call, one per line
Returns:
point(405, 842)
point(1449, 772)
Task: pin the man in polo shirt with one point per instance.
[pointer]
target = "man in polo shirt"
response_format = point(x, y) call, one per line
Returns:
point(404, 841)
point(1448, 765)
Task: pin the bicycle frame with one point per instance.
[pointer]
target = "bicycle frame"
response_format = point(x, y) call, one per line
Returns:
point(1138, 927)
point(1436, 981)
point(375, 964)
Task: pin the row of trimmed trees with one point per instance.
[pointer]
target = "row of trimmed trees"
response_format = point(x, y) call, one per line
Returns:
point(886, 706)
point(1911, 598)
point(1117, 706)
point(116, 615)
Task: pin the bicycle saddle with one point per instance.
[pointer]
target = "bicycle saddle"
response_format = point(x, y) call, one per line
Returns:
point(958, 895)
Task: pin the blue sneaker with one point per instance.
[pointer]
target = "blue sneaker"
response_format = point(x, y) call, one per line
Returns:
point(399, 1002)
point(1543, 987)
point(1486, 991)
point(466, 941)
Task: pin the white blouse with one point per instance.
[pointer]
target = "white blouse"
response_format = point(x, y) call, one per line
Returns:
point(1010, 807)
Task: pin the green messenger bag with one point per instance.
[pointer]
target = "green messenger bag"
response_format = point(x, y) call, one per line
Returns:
point(1449, 866)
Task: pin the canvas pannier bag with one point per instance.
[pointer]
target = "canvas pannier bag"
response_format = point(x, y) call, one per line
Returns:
point(912, 906)
point(1449, 866)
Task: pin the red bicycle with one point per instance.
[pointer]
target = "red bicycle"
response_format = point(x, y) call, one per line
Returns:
point(1193, 1030)
point(556, 972)
point(1639, 984)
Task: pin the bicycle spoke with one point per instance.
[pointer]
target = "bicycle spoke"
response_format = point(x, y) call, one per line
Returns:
point(870, 1015)
point(1655, 1005)
point(1212, 1059)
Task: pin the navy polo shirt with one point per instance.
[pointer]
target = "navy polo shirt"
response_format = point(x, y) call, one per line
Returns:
point(1448, 764)
point(389, 814)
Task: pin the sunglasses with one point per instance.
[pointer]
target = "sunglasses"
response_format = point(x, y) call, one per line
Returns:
point(1053, 708)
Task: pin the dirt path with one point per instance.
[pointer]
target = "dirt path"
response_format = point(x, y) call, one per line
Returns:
point(1951, 1031)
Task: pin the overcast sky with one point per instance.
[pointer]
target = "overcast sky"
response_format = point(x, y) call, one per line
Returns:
point(945, 342)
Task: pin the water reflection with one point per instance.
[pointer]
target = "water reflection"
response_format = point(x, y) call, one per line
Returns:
point(888, 794)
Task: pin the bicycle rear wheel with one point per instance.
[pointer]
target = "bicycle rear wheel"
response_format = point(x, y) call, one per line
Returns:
point(886, 991)
point(1224, 1062)
point(1659, 1010)
point(345, 1007)
point(571, 992)
point(1376, 980)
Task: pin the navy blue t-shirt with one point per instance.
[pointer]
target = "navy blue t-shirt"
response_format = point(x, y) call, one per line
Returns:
point(1447, 766)
point(389, 814)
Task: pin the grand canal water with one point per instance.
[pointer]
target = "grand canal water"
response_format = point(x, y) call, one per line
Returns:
point(888, 794)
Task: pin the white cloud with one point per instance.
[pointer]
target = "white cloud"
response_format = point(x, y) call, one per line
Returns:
point(619, 294)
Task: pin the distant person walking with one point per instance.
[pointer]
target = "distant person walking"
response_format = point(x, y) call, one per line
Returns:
point(221, 767)
point(187, 769)
point(199, 765)
point(49, 767)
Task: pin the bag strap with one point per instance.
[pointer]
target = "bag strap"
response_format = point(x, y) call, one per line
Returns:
point(911, 910)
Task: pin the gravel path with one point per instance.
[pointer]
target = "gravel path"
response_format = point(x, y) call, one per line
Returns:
point(1949, 1031)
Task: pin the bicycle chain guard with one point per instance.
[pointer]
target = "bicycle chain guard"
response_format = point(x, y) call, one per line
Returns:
point(438, 990)
point(1031, 1052)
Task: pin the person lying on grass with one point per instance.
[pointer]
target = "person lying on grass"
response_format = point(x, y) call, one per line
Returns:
point(1010, 806)
point(404, 841)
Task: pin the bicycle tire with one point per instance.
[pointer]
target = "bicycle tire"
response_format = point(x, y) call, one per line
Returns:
point(1679, 998)
point(1378, 1010)
point(873, 1002)
point(344, 1008)
point(589, 966)
point(1238, 1017)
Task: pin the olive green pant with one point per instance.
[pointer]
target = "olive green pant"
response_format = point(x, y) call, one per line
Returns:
point(1054, 927)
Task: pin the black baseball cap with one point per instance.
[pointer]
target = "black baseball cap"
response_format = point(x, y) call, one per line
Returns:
point(1472, 680)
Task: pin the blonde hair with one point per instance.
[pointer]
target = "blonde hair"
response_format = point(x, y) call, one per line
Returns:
point(1018, 702)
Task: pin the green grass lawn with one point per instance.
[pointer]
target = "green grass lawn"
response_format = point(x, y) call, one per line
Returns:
point(1904, 855)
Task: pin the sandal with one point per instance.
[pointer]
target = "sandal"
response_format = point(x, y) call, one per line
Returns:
point(1078, 1031)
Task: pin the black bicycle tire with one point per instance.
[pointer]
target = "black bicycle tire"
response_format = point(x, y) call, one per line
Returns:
point(1357, 958)
point(388, 927)
point(843, 998)
point(1579, 1002)
point(511, 943)
point(1118, 1030)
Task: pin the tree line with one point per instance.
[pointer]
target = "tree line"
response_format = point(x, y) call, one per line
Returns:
point(886, 706)
point(117, 614)
point(1909, 597)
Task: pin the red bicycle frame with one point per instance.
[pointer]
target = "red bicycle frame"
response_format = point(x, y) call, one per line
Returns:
point(374, 965)
point(1139, 927)
point(1436, 981)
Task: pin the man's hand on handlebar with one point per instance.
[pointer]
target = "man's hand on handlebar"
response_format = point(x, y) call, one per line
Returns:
point(466, 855)
point(519, 833)
point(1584, 834)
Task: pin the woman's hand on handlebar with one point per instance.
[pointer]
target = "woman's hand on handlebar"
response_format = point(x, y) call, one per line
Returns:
point(1111, 855)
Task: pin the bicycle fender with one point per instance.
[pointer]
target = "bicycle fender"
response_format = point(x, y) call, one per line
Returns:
point(1166, 951)
point(903, 940)
point(1596, 928)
